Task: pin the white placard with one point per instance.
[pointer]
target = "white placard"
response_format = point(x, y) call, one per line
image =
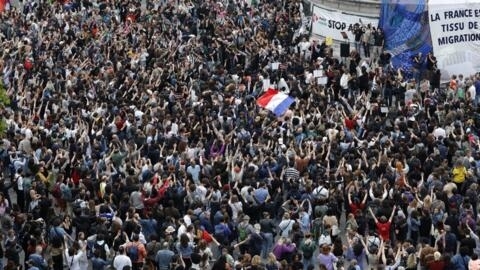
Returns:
point(275, 66)
point(322, 80)
point(317, 73)
point(266, 84)
point(455, 32)
point(329, 23)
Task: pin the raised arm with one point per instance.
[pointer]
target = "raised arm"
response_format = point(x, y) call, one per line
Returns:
point(363, 243)
point(398, 258)
point(373, 215)
point(383, 257)
point(365, 197)
point(370, 192)
point(381, 248)
point(385, 193)
point(393, 214)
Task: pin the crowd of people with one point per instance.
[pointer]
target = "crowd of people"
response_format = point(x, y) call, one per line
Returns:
point(132, 140)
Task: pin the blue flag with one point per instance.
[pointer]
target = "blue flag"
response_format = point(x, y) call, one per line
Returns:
point(407, 32)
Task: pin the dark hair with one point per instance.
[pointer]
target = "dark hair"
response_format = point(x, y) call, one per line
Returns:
point(184, 240)
point(220, 263)
point(135, 237)
point(357, 249)
point(100, 237)
point(153, 237)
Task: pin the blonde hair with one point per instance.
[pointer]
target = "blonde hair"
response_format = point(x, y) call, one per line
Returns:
point(437, 256)
point(271, 258)
point(247, 257)
point(412, 261)
point(448, 188)
point(427, 202)
point(256, 260)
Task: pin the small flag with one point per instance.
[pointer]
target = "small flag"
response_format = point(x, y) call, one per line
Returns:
point(275, 101)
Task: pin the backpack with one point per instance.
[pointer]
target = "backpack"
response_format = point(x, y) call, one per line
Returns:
point(308, 251)
point(66, 193)
point(195, 198)
point(10, 250)
point(101, 249)
point(454, 201)
point(56, 239)
point(373, 242)
point(57, 191)
point(242, 232)
point(152, 251)
point(132, 252)
point(352, 267)
point(317, 228)
point(222, 233)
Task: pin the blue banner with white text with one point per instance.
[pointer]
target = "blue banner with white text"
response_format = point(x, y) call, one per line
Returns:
point(407, 31)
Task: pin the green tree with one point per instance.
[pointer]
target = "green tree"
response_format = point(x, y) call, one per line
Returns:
point(4, 101)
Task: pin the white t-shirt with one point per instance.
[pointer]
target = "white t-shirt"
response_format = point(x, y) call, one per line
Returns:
point(194, 171)
point(181, 230)
point(236, 208)
point(344, 80)
point(73, 262)
point(472, 92)
point(121, 261)
point(439, 132)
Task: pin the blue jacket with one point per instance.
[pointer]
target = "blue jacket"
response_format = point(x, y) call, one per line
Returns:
point(459, 262)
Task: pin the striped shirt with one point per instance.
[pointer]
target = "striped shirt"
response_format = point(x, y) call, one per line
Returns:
point(292, 173)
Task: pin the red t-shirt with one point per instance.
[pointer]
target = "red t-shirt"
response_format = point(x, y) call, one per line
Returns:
point(436, 265)
point(120, 123)
point(384, 230)
point(355, 207)
point(350, 123)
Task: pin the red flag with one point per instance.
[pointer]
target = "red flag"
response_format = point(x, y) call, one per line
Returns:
point(3, 4)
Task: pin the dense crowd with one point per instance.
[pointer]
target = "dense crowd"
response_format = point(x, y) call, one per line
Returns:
point(133, 141)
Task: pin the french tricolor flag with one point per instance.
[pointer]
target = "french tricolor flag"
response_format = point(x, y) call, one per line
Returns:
point(275, 101)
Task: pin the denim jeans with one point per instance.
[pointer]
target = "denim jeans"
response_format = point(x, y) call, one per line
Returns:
point(267, 244)
point(308, 262)
point(358, 47)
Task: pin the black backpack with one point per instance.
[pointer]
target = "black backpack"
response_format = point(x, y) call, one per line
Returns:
point(101, 250)
point(10, 250)
point(56, 238)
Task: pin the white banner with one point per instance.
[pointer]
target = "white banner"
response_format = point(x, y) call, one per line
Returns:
point(455, 31)
point(328, 23)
